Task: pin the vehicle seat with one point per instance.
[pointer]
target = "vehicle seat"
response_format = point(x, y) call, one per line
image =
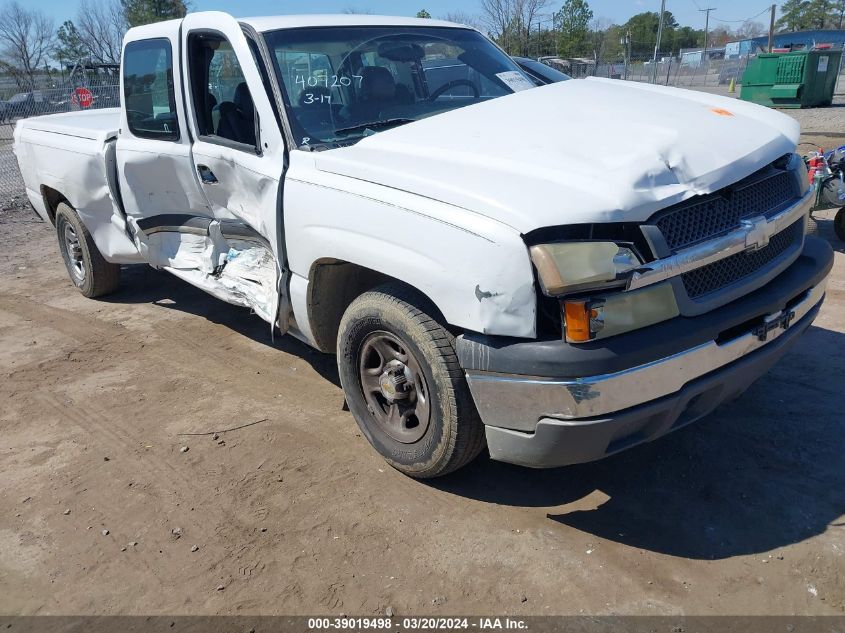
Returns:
point(378, 90)
point(317, 114)
point(237, 117)
point(211, 112)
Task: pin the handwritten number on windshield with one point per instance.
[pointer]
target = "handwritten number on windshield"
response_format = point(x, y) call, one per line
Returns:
point(327, 81)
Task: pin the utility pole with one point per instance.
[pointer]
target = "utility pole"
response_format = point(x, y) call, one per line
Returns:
point(772, 28)
point(706, 31)
point(626, 42)
point(657, 44)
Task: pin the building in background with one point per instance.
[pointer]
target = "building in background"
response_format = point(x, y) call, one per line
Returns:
point(797, 40)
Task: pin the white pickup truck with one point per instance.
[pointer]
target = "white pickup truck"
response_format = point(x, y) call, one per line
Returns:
point(557, 272)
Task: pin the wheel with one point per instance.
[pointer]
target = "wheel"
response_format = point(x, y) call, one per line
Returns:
point(88, 270)
point(812, 225)
point(403, 383)
point(839, 224)
point(476, 93)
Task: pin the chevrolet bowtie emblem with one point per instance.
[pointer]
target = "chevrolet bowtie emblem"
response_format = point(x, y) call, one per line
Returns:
point(757, 233)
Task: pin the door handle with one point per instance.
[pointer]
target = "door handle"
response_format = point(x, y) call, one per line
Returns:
point(206, 175)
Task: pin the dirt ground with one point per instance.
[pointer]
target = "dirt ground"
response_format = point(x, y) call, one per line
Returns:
point(101, 511)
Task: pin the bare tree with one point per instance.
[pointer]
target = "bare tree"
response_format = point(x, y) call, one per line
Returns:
point(510, 22)
point(599, 29)
point(750, 29)
point(353, 10)
point(26, 40)
point(498, 17)
point(531, 14)
point(461, 17)
point(102, 25)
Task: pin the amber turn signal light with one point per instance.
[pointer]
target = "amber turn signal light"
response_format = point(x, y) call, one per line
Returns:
point(579, 319)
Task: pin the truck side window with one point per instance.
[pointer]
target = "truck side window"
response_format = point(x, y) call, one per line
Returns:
point(222, 100)
point(148, 90)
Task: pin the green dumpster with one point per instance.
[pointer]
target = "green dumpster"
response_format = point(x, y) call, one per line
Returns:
point(800, 79)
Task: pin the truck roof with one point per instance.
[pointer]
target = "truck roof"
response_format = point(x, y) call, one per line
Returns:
point(275, 22)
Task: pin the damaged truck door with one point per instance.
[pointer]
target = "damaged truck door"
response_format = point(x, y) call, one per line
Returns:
point(202, 176)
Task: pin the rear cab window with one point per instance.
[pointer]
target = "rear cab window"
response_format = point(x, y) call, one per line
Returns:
point(148, 93)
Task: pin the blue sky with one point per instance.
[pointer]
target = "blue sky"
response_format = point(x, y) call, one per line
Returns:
point(686, 11)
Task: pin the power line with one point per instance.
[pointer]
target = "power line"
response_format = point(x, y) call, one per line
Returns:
point(745, 20)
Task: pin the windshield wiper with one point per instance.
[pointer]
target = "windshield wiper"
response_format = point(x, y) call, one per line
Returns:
point(372, 125)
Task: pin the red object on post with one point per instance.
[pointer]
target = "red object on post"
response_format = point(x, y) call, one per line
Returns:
point(82, 97)
point(814, 164)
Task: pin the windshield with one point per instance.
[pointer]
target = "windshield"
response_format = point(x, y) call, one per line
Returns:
point(343, 83)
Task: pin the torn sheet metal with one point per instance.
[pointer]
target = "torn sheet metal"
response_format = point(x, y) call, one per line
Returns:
point(251, 274)
point(239, 271)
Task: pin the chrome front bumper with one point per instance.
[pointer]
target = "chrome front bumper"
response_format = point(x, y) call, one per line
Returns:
point(518, 402)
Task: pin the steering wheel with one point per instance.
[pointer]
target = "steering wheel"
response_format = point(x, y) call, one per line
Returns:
point(454, 84)
point(136, 116)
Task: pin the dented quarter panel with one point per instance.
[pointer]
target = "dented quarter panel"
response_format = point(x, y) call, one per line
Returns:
point(475, 269)
point(66, 152)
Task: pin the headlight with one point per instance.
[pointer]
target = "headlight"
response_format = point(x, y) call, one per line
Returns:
point(571, 266)
point(796, 164)
point(598, 318)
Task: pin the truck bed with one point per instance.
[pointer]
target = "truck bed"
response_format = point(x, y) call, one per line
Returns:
point(70, 156)
point(96, 125)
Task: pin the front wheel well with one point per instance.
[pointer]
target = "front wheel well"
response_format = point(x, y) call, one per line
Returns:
point(52, 199)
point(333, 284)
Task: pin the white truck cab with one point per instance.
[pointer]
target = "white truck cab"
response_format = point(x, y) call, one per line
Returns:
point(559, 272)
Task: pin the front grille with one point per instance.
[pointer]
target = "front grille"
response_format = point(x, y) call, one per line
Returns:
point(721, 212)
point(702, 281)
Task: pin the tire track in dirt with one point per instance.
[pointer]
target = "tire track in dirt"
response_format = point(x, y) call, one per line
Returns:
point(159, 477)
point(190, 342)
point(195, 350)
point(95, 336)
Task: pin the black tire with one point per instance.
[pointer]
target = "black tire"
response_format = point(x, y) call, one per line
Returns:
point(88, 270)
point(395, 316)
point(839, 224)
point(812, 226)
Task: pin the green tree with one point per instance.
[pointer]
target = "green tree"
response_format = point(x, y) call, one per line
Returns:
point(794, 15)
point(422, 13)
point(139, 12)
point(70, 47)
point(839, 13)
point(608, 42)
point(643, 28)
point(687, 37)
point(573, 24)
point(821, 13)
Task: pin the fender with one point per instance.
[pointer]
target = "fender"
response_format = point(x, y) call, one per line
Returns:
point(476, 270)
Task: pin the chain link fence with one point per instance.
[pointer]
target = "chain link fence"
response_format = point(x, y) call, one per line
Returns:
point(61, 96)
point(681, 74)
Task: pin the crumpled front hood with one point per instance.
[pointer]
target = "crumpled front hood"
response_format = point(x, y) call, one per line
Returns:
point(578, 151)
